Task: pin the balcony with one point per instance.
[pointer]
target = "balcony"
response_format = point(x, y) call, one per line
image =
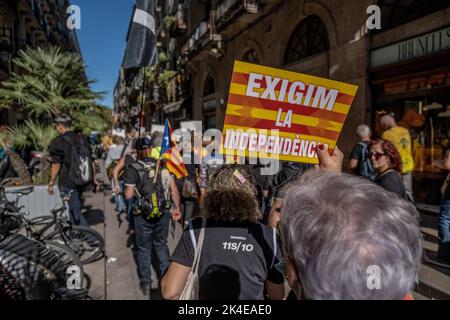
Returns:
point(236, 11)
point(198, 40)
point(232, 16)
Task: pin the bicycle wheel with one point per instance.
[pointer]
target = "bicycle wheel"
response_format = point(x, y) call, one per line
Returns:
point(87, 243)
point(69, 258)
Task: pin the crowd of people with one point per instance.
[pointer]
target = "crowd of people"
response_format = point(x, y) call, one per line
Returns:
point(319, 229)
point(314, 226)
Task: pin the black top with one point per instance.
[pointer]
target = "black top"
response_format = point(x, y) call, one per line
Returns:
point(357, 155)
point(243, 253)
point(288, 173)
point(132, 178)
point(392, 181)
point(59, 152)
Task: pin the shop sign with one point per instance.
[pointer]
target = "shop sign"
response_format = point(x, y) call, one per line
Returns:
point(423, 45)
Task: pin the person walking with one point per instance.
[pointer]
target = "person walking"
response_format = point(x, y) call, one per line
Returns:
point(72, 165)
point(360, 162)
point(238, 255)
point(443, 254)
point(154, 191)
point(387, 163)
point(401, 139)
point(114, 154)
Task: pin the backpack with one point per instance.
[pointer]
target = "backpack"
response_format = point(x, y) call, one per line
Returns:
point(365, 165)
point(80, 170)
point(153, 199)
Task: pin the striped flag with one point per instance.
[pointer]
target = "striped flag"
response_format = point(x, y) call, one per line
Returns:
point(169, 152)
point(141, 50)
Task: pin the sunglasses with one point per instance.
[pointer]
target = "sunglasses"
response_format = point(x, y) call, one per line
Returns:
point(376, 155)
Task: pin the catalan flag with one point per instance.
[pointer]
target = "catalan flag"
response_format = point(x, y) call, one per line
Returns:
point(169, 152)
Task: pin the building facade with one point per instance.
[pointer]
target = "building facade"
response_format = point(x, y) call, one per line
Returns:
point(401, 68)
point(31, 23)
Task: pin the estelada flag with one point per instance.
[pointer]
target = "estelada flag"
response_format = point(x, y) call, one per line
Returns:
point(169, 152)
point(280, 114)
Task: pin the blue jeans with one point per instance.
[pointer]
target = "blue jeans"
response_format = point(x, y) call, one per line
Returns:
point(75, 215)
point(444, 227)
point(150, 235)
point(119, 198)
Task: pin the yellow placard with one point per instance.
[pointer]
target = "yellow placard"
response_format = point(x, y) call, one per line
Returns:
point(280, 114)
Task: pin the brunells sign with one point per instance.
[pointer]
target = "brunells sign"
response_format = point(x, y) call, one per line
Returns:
point(279, 114)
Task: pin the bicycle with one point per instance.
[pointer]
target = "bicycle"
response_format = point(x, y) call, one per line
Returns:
point(86, 242)
point(31, 268)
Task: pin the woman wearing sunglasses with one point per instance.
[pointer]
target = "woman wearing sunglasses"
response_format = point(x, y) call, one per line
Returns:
point(387, 163)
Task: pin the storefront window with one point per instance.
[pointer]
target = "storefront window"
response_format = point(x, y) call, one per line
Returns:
point(421, 104)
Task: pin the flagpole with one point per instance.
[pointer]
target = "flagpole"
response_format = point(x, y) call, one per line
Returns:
point(142, 103)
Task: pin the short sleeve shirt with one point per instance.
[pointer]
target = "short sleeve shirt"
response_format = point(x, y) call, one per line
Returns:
point(392, 181)
point(132, 178)
point(59, 152)
point(357, 154)
point(250, 250)
point(401, 139)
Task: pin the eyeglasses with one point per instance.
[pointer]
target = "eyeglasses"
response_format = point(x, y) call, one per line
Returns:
point(376, 155)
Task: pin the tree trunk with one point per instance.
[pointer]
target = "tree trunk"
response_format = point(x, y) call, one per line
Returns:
point(20, 168)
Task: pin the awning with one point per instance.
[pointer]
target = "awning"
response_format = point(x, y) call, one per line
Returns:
point(173, 107)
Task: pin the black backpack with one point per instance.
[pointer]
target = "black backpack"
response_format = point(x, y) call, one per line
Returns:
point(365, 165)
point(80, 170)
point(153, 198)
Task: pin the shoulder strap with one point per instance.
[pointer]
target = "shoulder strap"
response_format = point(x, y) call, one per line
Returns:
point(67, 139)
point(362, 144)
point(191, 233)
point(198, 248)
point(275, 246)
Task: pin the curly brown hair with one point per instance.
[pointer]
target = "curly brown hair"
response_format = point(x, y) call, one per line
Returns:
point(391, 152)
point(230, 198)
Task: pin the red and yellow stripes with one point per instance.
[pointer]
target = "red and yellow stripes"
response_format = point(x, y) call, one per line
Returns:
point(308, 123)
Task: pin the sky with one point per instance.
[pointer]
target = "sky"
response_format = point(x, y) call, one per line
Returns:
point(104, 25)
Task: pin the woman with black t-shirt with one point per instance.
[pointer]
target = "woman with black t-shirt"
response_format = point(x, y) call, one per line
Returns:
point(239, 255)
point(388, 164)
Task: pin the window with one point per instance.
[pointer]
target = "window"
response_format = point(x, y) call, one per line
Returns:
point(210, 86)
point(309, 38)
point(397, 12)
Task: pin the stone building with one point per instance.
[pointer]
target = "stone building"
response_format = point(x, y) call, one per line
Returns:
point(31, 23)
point(402, 68)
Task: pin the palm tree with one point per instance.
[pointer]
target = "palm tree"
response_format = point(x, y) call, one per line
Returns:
point(49, 82)
point(96, 118)
point(38, 136)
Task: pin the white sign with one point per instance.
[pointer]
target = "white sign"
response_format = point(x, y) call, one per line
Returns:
point(423, 45)
point(188, 125)
point(157, 128)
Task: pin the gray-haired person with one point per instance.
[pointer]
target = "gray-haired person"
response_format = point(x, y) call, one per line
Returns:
point(359, 159)
point(346, 238)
